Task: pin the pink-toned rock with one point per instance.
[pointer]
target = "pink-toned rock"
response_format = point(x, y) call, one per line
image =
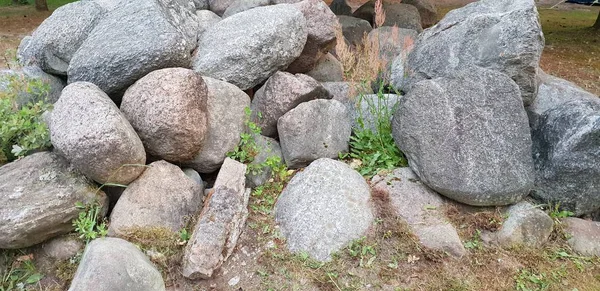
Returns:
point(168, 110)
point(584, 235)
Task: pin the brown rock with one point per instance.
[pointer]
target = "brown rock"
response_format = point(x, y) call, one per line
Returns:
point(168, 110)
point(327, 69)
point(427, 10)
point(585, 235)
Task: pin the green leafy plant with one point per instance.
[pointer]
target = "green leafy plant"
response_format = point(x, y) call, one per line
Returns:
point(246, 150)
point(475, 242)
point(527, 280)
point(20, 273)
point(22, 129)
point(555, 212)
point(360, 250)
point(375, 147)
point(90, 224)
point(184, 235)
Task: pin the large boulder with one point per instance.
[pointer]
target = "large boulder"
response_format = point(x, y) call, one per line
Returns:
point(90, 131)
point(219, 6)
point(220, 223)
point(37, 199)
point(327, 69)
point(421, 208)
point(427, 10)
point(129, 42)
point(109, 5)
point(111, 264)
point(16, 82)
point(567, 156)
point(226, 106)
point(321, 25)
point(163, 197)
point(354, 29)
point(281, 93)
point(54, 43)
point(340, 7)
point(168, 109)
point(246, 48)
point(313, 130)
point(206, 19)
point(467, 137)
point(243, 5)
point(323, 208)
point(502, 35)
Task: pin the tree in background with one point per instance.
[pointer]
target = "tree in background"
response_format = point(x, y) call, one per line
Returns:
point(41, 5)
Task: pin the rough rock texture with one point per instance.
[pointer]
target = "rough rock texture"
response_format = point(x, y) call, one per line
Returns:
point(111, 264)
point(132, 41)
point(206, 20)
point(567, 156)
point(525, 225)
point(552, 93)
point(62, 247)
point(248, 47)
point(201, 4)
point(368, 108)
point(321, 24)
point(313, 130)
point(467, 137)
point(192, 174)
point(226, 104)
point(31, 73)
point(37, 199)
point(346, 92)
point(421, 208)
point(426, 9)
point(243, 5)
point(168, 109)
point(392, 42)
point(54, 43)
point(323, 208)
point(354, 28)
point(503, 35)
point(267, 148)
point(281, 93)
point(396, 14)
point(90, 131)
point(219, 6)
point(327, 69)
point(340, 7)
point(162, 197)
point(220, 223)
point(584, 234)
point(109, 5)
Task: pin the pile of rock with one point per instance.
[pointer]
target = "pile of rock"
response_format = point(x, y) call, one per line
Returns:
point(158, 92)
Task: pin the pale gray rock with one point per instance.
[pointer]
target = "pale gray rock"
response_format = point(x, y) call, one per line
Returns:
point(526, 225)
point(62, 247)
point(219, 6)
point(323, 208)
point(247, 48)
point(421, 208)
point(54, 43)
point(206, 19)
point(129, 42)
point(584, 235)
point(110, 264)
point(220, 223)
point(37, 199)
point(168, 109)
point(354, 29)
point(162, 197)
point(192, 174)
point(92, 133)
point(346, 92)
point(108, 5)
point(327, 69)
point(281, 93)
point(201, 4)
point(267, 148)
point(243, 5)
point(467, 137)
point(502, 35)
point(226, 106)
point(313, 130)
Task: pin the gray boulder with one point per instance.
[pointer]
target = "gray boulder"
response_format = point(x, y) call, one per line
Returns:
point(467, 137)
point(61, 248)
point(427, 10)
point(90, 131)
point(52, 84)
point(267, 148)
point(192, 174)
point(108, 5)
point(206, 19)
point(327, 69)
point(552, 93)
point(567, 156)
point(111, 264)
point(421, 208)
point(354, 29)
point(37, 199)
point(340, 7)
point(132, 41)
point(346, 92)
point(323, 208)
point(247, 48)
point(584, 235)
point(54, 43)
point(168, 109)
point(201, 4)
point(220, 223)
point(243, 5)
point(162, 197)
point(281, 93)
point(396, 14)
point(502, 35)
point(526, 225)
point(219, 6)
point(226, 106)
point(321, 25)
point(313, 130)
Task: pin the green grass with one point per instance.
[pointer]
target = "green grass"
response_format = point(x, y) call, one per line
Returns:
point(52, 4)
